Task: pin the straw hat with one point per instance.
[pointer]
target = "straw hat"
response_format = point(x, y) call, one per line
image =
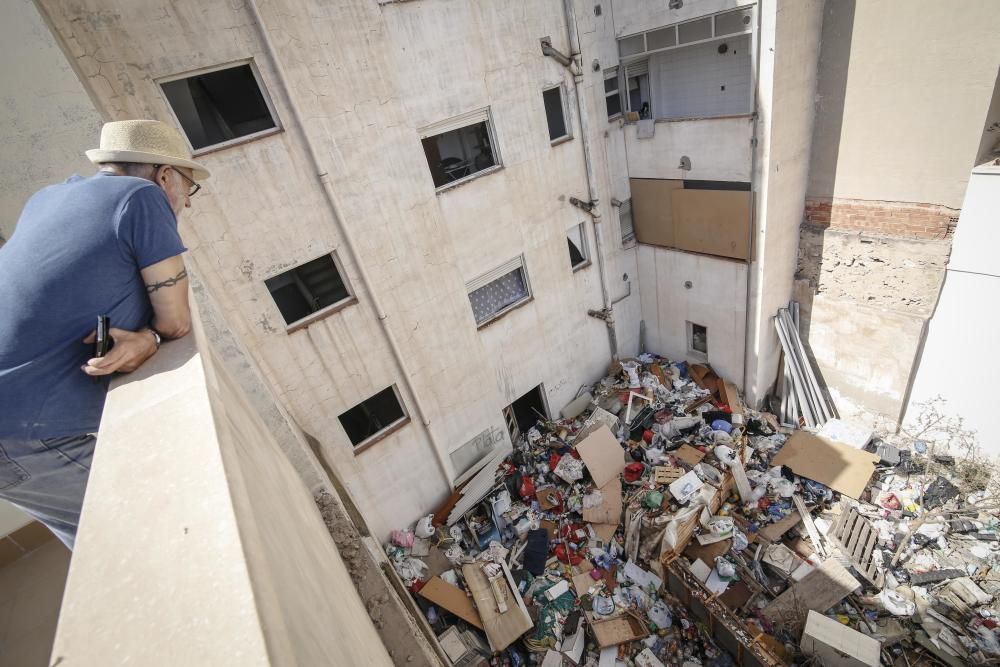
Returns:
point(146, 142)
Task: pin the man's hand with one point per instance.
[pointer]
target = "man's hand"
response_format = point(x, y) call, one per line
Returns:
point(131, 349)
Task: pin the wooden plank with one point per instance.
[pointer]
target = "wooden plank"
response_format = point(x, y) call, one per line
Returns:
point(819, 590)
point(451, 598)
point(501, 628)
point(774, 531)
point(667, 474)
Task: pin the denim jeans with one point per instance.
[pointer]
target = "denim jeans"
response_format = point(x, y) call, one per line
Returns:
point(47, 479)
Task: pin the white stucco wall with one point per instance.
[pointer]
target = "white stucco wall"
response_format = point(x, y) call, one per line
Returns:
point(719, 149)
point(11, 518)
point(47, 120)
point(903, 92)
point(789, 47)
point(366, 77)
point(960, 361)
point(716, 300)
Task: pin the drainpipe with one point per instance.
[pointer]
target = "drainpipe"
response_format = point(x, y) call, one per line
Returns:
point(574, 63)
point(331, 200)
point(751, 246)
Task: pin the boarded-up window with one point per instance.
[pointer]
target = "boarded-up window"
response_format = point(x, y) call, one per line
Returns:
point(709, 218)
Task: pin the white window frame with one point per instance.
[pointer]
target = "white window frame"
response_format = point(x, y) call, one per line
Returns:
point(697, 355)
point(634, 70)
point(627, 240)
point(387, 430)
point(457, 123)
point(323, 312)
point(613, 73)
point(232, 142)
point(677, 45)
point(584, 246)
point(495, 274)
point(567, 122)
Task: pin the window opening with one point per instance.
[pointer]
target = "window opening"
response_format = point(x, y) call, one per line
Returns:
point(555, 113)
point(373, 417)
point(576, 237)
point(460, 152)
point(637, 84)
point(697, 338)
point(625, 221)
point(612, 99)
point(308, 288)
point(525, 412)
point(220, 106)
point(499, 291)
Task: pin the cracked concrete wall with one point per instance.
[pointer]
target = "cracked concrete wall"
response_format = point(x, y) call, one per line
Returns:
point(366, 77)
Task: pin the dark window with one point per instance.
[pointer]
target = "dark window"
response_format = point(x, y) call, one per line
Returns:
point(577, 241)
point(525, 412)
point(307, 288)
point(699, 338)
point(612, 98)
point(219, 106)
point(456, 154)
point(554, 113)
point(372, 416)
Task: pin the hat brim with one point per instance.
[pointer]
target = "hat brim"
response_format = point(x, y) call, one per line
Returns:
point(97, 156)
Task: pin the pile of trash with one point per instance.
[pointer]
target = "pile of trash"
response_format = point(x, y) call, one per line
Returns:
point(660, 522)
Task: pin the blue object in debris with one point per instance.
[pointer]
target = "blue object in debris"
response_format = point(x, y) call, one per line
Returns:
point(722, 425)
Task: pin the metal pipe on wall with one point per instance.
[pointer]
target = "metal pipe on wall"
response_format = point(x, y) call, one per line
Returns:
point(569, 14)
point(754, 202)
point(331, 200)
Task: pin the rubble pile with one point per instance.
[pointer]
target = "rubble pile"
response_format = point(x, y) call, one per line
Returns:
point(660, 522)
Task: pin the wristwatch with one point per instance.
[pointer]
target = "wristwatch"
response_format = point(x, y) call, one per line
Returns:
point(156, 337)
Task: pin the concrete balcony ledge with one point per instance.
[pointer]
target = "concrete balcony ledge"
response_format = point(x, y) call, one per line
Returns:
point(199, 543)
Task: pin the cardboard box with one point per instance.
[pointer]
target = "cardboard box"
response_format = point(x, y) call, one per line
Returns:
point(651, 210)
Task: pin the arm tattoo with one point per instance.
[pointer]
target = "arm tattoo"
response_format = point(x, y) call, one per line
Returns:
point(169, 282)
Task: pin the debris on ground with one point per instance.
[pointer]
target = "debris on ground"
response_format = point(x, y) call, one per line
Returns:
point(660, 522)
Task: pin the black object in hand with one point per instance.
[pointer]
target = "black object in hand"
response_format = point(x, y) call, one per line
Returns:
point(104, 341)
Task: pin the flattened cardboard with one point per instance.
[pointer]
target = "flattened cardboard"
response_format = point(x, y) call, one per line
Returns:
point(604, 531)
point(713, 222)
point(625, 628)
point(841, 467)
point(652, 214)
point(451, 598)
point(610, 509)
point(689, 455)
point(501, 628)
point(602, 455)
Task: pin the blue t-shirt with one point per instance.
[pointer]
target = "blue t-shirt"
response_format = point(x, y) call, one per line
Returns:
point(75, 254)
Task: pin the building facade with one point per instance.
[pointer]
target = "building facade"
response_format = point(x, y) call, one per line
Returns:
point(430, 220)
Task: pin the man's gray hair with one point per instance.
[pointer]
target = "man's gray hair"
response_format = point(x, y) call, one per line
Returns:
point(137, 169)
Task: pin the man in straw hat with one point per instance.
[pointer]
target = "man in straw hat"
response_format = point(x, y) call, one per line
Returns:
point(102, 245)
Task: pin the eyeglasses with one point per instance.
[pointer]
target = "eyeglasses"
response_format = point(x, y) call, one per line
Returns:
point(195, 187)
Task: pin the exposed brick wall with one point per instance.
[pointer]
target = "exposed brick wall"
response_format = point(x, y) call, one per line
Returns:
point(902, 219)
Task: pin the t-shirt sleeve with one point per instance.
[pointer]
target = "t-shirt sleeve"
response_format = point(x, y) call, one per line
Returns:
point(147, 228)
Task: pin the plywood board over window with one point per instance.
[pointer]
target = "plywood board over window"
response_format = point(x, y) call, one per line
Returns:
point(711, 221)
point(672, 214)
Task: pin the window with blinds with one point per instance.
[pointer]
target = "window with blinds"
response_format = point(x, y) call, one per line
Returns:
point(495, 293)
point(625, 221)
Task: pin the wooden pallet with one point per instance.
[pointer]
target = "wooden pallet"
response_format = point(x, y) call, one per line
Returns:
point(667, 474)
point(857, 538)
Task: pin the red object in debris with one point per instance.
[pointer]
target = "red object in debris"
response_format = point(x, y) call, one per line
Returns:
point(563, 555)
point(633, 471)
point(417, 585)
point(647, 435)
point(989, 623)
point(597, 574)
point(891, 502)
point(527, 489)
point(764, 503)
